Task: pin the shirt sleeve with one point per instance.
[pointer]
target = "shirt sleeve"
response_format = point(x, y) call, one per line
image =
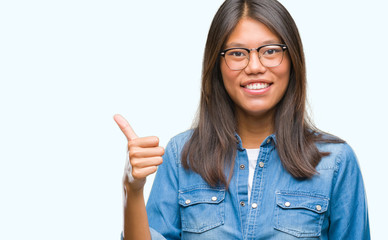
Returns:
point(349, 210)
point(162, 207)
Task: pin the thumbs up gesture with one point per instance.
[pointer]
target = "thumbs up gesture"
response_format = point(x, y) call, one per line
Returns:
point(145, 155)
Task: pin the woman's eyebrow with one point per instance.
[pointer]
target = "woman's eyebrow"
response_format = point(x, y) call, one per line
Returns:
point(272, 41)
point(237, 44)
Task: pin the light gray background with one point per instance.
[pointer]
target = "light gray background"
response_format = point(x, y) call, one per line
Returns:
point(67, 66)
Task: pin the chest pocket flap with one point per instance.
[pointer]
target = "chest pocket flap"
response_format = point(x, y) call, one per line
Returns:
point(300, 214)
point(310, 202)
point(201, 195)
point(202, 208)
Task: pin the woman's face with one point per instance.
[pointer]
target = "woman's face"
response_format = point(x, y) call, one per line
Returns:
point(272, 81)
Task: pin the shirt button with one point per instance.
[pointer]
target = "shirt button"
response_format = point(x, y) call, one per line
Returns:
point(287, 204)
point(188, 201)
point(254, 205)
point(261, 164)
point(242, 203)
point(318, 207)
point(269, 140)
point(242, 166)
point(214, 199)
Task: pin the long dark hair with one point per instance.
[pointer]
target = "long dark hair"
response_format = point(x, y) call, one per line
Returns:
point(212, 146)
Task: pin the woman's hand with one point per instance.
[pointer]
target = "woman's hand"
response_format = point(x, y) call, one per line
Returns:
point(145, 155)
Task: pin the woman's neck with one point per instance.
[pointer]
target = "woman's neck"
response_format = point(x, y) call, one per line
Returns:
point(254, 129)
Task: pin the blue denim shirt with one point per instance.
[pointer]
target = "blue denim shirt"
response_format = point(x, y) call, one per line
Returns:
point(331, 205)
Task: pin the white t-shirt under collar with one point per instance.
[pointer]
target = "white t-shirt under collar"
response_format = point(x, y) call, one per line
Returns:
point(253, 154)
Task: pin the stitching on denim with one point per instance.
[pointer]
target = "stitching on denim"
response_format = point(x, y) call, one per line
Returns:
point(300, 193)
point(201, 187)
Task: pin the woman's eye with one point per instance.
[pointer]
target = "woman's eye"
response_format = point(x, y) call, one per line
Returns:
point(271, 51)
point(236, 54)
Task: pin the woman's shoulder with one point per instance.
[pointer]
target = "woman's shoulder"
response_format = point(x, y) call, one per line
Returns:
point(339, 152)
point(176, 143)
point(180, 139)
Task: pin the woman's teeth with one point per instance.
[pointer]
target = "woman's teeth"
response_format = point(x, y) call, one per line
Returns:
point(256, 86)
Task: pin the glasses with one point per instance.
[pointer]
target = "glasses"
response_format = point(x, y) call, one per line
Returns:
point(270, 55)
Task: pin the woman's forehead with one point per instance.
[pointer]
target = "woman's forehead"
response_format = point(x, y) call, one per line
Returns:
point(250, 32)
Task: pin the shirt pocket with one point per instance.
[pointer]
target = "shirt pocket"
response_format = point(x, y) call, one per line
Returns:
point(202, 209)
point(300, 214)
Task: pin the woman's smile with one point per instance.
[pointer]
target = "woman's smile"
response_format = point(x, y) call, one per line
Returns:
point(256, 87)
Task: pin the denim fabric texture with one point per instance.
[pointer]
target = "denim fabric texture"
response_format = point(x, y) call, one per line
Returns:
point(331, 205)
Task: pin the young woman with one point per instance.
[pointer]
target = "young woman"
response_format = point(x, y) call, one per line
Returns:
point(254, 166)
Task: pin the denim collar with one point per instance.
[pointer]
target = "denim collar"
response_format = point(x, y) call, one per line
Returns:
point(271, 139)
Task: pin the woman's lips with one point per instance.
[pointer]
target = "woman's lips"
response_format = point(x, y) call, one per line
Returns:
point(257, 88)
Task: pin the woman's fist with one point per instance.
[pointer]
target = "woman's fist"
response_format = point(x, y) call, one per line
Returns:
point(145, 155)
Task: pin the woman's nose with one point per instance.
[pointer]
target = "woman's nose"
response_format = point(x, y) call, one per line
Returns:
point(254, 65)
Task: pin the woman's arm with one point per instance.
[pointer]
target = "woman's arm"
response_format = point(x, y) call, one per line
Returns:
point(144, 156)
point(349, 210)
point(135, 215)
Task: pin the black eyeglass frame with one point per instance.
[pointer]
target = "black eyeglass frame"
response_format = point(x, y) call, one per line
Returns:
point(283, 46)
